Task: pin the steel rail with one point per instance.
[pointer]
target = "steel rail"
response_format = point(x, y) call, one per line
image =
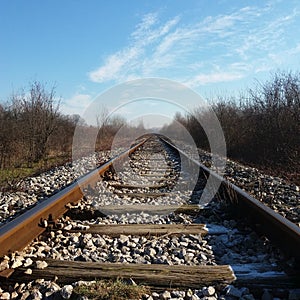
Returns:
point(281, 231)
point(18, 233)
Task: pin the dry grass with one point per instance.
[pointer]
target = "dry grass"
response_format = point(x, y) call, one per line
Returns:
point(9, 177)
point(111, 290)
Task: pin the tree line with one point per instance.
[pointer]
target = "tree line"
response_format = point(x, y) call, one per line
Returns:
point(32, 128)
point(27, 121)
point(261, 126)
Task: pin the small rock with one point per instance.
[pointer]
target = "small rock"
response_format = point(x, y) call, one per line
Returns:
point(131, 282)
point(86, 283)
point(155, 296)
point(25, 295)
point(27, 262)
point(66, 291)
point(40, 281)
point(184, 244)
point(5, 296)
point(203, 256)
point(4, 265)
point(21, 288)
point(178, 294)
point(14, 295)
point(266, 295)
point(36, 295)
point(208, 291)
point(68, 227)
point(49, 294)
point(53, 287)
point(75, 239)
point(232, 291)
point(123, 239)
point(165, 295)
point(189, 294)
point(17, 263)
point(151, 252)
point(296, 188)
point(41, 264)
point(28, 272)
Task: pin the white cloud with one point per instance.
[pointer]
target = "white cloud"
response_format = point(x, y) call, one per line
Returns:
point(76, 104)
point(266, 36)
point(242, 41)
point(295, 50)
point(114, 64)
point(282, 56)
point(203, 79)
point(143, 28)
point(118, 65)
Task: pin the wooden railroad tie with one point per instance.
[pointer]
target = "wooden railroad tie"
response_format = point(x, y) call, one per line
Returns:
point(137, 186)
point(141, 195)
point(116, 230)
point(85, 214)
point(151, 275)
point(189, 209)
point(158, 176)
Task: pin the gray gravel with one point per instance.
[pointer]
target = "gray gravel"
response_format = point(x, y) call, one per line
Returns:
point(234, 243)
point(186, 249)
point(275, 192)
point(42, 289)
point(35, 189)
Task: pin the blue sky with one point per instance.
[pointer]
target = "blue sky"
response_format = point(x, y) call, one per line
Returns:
point(86, 47)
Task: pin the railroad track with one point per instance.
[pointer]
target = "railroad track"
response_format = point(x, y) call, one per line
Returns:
point(134, 224)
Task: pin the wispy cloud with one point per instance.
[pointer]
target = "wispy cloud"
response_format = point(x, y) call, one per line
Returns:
point(124, 63)
point(116, 64)
point(76, 104)
point(219, 48)
point(202, 79)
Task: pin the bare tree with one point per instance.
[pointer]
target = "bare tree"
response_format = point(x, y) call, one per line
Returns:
point(261, 126)
point(37, 113)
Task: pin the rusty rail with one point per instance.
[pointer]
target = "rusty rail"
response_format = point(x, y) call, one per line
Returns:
point(18, 233)
point(281, 231)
